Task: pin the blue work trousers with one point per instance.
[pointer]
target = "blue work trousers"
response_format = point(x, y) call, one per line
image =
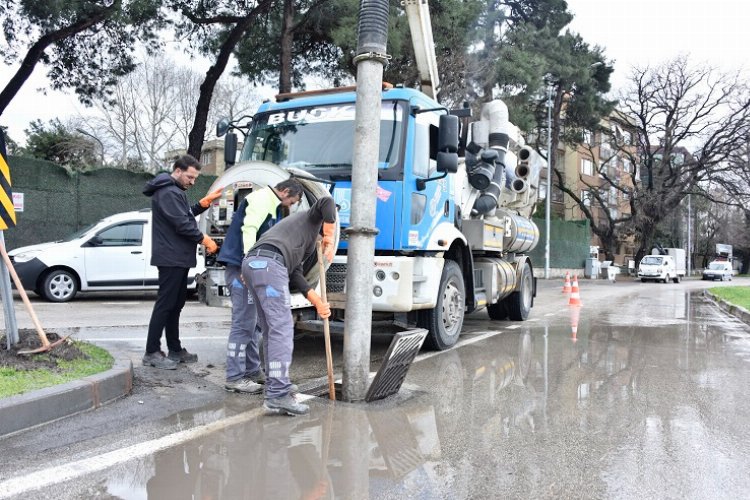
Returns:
point(243, 358)
point(268, 280)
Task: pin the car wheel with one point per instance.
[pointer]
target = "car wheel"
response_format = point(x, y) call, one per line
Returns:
point(59, 285)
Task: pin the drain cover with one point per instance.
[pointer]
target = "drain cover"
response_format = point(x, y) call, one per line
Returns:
point(398, 359)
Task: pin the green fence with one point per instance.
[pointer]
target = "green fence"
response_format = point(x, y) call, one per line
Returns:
point(568, 244)
point(57, 203)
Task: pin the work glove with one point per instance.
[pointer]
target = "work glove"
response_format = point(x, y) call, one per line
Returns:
point(329, 230)
point(211, 246)
point(323, 308)
point(206, 200)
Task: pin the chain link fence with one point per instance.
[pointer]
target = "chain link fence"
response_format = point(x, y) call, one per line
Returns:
point(57, 203)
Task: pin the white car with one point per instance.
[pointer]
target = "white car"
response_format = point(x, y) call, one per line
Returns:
point(113, 254)
point(718, 270)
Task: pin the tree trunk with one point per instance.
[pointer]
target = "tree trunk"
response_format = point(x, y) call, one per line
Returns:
point(286, 47)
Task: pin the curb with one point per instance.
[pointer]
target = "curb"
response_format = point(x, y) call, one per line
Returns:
point(739, 312)
point(24, 411)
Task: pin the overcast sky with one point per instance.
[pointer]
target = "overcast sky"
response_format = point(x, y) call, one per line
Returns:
point(633, 32)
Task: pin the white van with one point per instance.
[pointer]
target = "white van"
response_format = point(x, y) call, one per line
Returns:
point(659, 268)
point(718, 269)
point(113, 254)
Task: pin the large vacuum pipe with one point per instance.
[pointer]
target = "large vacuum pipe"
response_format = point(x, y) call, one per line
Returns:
point(496, 113)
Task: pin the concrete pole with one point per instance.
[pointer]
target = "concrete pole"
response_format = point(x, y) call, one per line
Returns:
point(11, 326)
point(371, 56)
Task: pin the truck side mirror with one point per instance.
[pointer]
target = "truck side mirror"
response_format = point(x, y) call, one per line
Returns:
point(230, 149)
point(447, 157)
point(222, 127)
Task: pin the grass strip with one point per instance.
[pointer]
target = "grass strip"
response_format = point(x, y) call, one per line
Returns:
point(737, 295)
point(14, 381)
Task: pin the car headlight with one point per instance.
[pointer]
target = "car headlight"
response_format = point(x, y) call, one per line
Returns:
point(26, 256)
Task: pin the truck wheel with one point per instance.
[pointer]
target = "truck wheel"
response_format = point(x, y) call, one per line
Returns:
point(498, 311)
point(59, 286)
point(446, 319)
point(519, 303)
point(676, 279)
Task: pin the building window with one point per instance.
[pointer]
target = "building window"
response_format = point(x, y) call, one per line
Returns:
point(588, 137)
point(586, 198)
point(587, 167)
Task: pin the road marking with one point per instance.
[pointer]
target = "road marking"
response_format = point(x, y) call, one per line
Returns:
point(221, 337)
point(460, 343)
point(67, 472)
point(514, 327)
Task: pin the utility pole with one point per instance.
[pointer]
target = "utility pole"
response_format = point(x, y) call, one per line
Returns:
point(548, 195)
point(370, 59)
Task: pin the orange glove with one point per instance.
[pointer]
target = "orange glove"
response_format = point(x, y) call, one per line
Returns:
point(206, 200)
point(329, 230)
point(211, 246)
point(323, 308)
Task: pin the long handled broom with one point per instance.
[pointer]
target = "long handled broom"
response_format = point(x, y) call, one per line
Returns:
point(326, 326)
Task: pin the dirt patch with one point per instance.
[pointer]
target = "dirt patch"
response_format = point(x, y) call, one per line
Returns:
point(67, 351)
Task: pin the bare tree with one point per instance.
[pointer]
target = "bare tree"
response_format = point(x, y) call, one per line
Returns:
point(690, 121)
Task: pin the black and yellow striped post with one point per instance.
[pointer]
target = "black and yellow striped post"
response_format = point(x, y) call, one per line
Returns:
point(7, 220)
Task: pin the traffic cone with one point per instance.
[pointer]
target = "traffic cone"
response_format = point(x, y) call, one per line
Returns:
point(575, 314)
point(575, 296)
point(566, 286)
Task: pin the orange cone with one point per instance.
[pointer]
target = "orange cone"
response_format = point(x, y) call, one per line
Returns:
point(566, 286)
point(575, 296)
point(575, 314)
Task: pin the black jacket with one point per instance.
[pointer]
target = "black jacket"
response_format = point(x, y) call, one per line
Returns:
point(174, 232)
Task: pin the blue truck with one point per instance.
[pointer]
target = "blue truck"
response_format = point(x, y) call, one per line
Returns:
point(453, 237)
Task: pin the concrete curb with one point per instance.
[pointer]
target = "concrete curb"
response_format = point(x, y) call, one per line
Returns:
point(21, 412)
point(739, 312)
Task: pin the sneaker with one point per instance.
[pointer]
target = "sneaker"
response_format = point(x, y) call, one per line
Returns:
point(285, 405)
point(183, 356)
point(159, 360)
point(258, 378)
point(243, 385)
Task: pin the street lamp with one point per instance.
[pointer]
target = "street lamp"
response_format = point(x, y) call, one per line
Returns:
point(548, 194)
point(101, 144)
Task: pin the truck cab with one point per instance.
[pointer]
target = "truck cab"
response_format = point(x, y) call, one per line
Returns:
point(658, 268)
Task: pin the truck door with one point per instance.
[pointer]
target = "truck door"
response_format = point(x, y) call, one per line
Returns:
point(116, 256)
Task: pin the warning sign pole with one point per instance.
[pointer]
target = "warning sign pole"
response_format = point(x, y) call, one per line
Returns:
point(7, 219)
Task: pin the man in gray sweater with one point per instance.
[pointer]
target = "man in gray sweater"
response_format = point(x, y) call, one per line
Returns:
point(269, 268)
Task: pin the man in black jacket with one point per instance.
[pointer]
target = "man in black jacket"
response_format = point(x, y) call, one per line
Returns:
point(174, 235)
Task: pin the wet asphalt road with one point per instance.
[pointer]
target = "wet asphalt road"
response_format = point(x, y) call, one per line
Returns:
point(648, 399)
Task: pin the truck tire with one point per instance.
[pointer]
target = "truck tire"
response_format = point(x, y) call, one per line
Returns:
point(519, 303)
point(676, 279)
point(446, 319)
point(59, 285)
point(498, 311)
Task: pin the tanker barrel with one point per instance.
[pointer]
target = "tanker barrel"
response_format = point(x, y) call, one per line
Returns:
point(520, 186)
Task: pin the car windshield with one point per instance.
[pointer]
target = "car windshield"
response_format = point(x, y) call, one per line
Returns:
point(651, 260)
point(320, 137)
point(80, 232)
point(717, 266)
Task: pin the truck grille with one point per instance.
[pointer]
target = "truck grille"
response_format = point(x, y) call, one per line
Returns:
point(336, 278)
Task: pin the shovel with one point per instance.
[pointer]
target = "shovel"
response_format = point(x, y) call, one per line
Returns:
point(326, 326)
point(46, 346)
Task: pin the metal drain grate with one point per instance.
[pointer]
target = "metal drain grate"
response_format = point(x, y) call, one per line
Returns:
point(398, 359)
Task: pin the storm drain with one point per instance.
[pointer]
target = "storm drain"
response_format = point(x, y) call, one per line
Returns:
point(398, 359)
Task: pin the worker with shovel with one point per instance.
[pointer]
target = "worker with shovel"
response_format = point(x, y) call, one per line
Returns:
point(269, 268)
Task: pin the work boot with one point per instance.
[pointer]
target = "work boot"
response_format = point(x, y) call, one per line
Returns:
point(183, 356)
point(258, 377)
point(243, 385)
point(285, 405)
point(159, 360)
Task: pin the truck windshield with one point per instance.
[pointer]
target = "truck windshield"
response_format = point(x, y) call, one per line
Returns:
point(651, 260)
point(320, 137)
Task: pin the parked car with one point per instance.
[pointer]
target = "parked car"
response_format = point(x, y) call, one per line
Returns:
point(113, 254)
point(718, 270)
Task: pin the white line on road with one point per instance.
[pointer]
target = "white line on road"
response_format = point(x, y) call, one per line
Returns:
point(460, 343)
point(58, 474)
point(222, 337)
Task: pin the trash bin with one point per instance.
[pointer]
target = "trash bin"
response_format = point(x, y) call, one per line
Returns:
point(612, 272)
point(592, 268)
